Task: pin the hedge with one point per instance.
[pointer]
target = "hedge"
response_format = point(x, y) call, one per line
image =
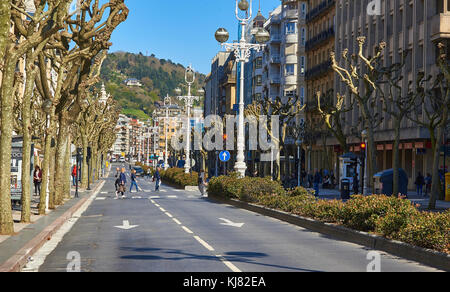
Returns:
point(391, 217)
point(177, 177)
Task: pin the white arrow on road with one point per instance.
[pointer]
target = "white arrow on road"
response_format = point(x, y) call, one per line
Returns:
point(231, 223)
point(126, 225)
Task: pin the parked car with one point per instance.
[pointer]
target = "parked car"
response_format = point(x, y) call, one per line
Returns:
point(113, 160)
point(122, 159)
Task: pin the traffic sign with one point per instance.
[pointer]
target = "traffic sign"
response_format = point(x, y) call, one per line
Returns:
point(224, 156)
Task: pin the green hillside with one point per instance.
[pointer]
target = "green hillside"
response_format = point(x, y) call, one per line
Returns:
point(158, 77)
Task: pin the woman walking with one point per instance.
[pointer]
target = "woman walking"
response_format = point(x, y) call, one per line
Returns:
point(122, 183)
point(37, 179)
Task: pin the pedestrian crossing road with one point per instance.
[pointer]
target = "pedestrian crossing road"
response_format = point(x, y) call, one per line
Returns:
point(177, 231)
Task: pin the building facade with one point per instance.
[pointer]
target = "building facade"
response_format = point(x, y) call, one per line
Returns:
point(404, 25)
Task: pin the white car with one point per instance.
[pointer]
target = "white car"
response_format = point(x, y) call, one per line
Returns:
point(122, 159)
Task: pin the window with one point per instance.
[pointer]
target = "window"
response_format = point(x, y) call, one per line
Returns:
point(302, 96)
point(259, 63)
point(259, 80)
point(303, 36)
point(291, 28)
point(290, 69)
point(302, 65)
point(303, 11)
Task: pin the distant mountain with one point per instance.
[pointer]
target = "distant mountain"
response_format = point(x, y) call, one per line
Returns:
point(156, 77)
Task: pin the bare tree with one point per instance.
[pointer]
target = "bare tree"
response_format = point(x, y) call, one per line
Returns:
point(357, 71)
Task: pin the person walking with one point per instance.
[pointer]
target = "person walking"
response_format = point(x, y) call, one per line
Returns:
point(317, 181)
point(428, 182)
point(74, 175)
point(122, 183)
point(133, 181)
point(355, 184)
point(157, 179)
point(202, 182)
point(117, 182)
point(420, 181)
point(37, 180)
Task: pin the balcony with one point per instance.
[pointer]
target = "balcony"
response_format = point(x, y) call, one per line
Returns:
point(275, 80)
point(318, 70)
point(290, 13)
point(319, 10)
point(275, 59)
point(440, 27)
point(319, 39)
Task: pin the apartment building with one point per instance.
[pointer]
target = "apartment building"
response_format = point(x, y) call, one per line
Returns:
point(169, 121)
point(414, 25)
point(122, 144)
point(320, 22)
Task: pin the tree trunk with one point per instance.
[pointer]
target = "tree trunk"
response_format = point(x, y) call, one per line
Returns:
point(67, 172)
point(396, 158)
point(84, 167)
point(51, 183)
point(61, 148)
point(7, 103)
point(46, 164)
point(435, 187)
point(26, 148)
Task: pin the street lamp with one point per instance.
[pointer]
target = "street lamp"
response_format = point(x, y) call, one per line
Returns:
point(167, 104)
point(189, 101)
point(242, 51)
point(365, 186)
point(298, 143)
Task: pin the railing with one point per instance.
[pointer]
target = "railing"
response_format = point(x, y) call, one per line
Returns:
point(318, 70)
point(319, 39)
point(319, 9)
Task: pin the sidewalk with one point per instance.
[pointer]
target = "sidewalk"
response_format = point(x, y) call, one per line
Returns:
point(15, 250)
point(327, 194)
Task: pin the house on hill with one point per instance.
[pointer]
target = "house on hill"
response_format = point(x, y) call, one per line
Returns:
point(132, 82)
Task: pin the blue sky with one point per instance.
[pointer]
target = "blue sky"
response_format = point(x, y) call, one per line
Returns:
point(180, 30)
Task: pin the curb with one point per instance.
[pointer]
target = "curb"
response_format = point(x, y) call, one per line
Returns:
point(421, 255)
point(17, 261)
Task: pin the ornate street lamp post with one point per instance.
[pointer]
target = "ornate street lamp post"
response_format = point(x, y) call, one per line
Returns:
point(167, 104)
point(242, 51)
point(189, 102)
point(365, 183)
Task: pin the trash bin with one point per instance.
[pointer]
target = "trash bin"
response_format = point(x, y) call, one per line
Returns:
point(447, 187)
point(345, 189)
point(384, 182)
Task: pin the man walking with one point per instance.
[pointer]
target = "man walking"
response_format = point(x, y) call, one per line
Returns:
point(157, 179)
point(420, 181)
point(122, 183)
point(317, 181)
point(133, 181)
point(202, 182)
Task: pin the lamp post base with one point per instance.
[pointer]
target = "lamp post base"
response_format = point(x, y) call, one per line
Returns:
point(240, 167)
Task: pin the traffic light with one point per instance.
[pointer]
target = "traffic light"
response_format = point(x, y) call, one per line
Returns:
point(363, 146)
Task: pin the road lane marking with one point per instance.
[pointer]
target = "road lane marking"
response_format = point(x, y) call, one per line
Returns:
point(155, 197)
point(100, 199)
point(162, 209)
point(103, 193)
point(176, 221)
point(157, 205)
point(204, 243)
point(172, 197)
point(187, 230)
point(170, 215)
point(229, 264)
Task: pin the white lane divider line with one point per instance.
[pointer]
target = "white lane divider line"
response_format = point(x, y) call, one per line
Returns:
point(168, 214)
point(157, 205)
point(187, 230)
point(162, 209)
point(176, 221)
point(229, 264)
point(204, 243)
point(100, 199)
point(103, 193)
point(172, 197)
point(155, 197)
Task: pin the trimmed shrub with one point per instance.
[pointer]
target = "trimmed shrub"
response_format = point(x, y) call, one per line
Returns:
point(177, 177)
point(362, 213)
point(427, 230)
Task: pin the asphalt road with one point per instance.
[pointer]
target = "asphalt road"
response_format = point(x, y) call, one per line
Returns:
point(178, 231)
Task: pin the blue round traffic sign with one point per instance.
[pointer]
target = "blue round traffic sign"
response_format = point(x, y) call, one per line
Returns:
point(224, 156)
